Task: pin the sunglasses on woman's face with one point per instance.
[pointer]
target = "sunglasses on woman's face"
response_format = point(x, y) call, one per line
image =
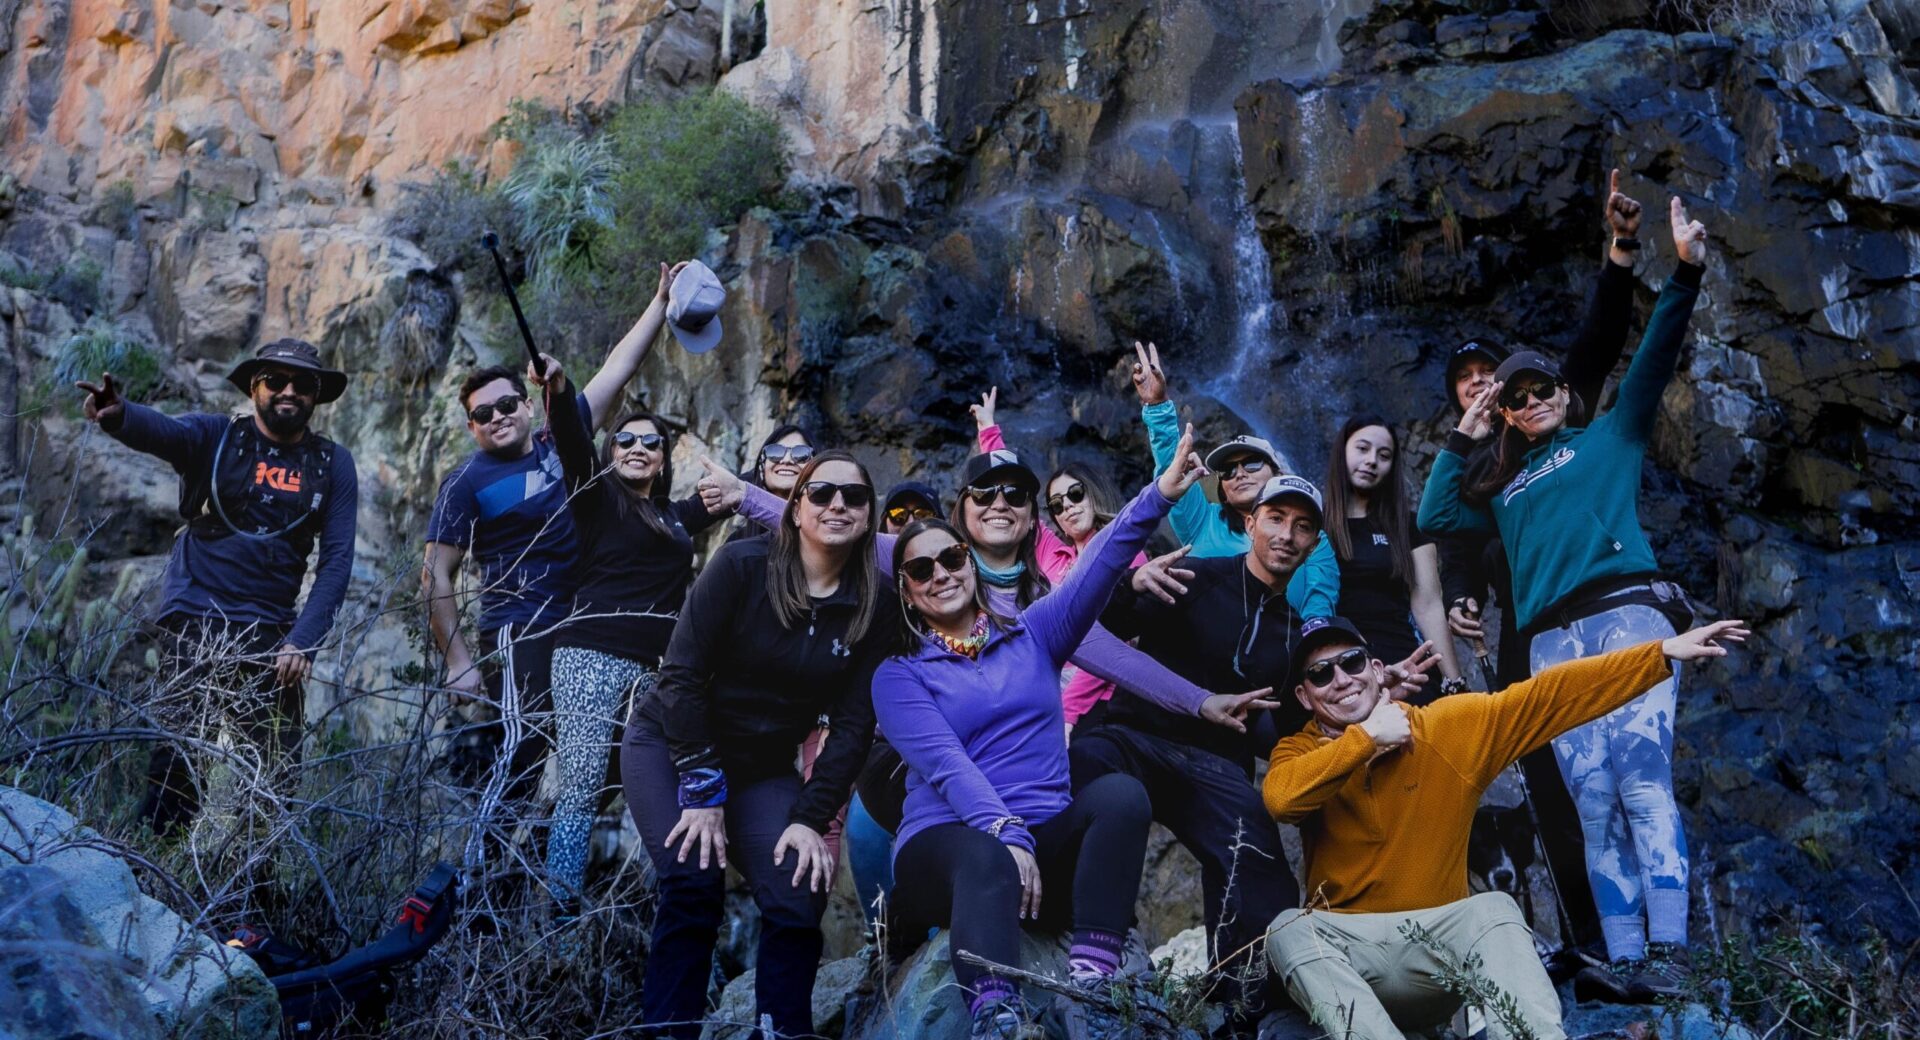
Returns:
point(1016, 496)
point(954, 559)
point(1057, 504)
point(798, 454)
point(1246, 464)
point(904, 515)
point(625, 439)
point(1319, 674)
point(1514, 398)
point(306, 384)
point(820, 493)
point(505, 405)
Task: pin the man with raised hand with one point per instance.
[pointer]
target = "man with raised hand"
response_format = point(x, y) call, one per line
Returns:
point(257, 492)
point(1384, 795)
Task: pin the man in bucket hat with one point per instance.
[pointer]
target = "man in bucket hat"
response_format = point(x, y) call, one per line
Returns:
point(257, 492)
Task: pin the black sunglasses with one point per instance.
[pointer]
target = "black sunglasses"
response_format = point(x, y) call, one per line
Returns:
point(1319, 674)
point(1250, 463)
point(1057, 504)
point(820, 493)
point(1016, 496)
point(506, 405)
point(798, 454)
point(953, 559)
point(1516, 397)
point(908, 514)
point(306, 384)
point(649, 441)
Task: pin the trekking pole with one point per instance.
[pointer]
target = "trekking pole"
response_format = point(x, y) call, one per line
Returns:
point(1486, 661)
point(491, 242)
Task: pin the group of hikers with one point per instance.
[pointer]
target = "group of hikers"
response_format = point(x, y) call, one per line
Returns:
point(983, 700)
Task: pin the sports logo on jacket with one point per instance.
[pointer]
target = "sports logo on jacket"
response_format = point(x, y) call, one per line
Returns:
point(279, 478)
point(1527, 477)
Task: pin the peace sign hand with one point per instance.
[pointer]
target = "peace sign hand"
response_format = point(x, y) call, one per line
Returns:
point(983, 412)
point(1149, 380)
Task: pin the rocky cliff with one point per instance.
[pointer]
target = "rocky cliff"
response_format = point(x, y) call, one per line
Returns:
point(1305, 203)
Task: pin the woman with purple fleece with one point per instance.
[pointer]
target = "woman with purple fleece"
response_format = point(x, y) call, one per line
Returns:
point(973, 705)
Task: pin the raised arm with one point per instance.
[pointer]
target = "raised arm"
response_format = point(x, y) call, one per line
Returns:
point(1052, 550)
point(572, 434)
point(1061, 619)
point(337, 530)
point(927, 743)
point(1195, 520)
point(1653, 364)
point(1601, 336)
point(603, 390)
point(1104, 655)
point(1443, 509)
point(1314, 589)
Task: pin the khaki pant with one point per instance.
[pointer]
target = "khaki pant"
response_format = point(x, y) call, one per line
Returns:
point(1359, 977)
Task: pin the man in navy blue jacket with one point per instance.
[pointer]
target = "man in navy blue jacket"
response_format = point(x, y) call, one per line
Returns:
point(257, 492)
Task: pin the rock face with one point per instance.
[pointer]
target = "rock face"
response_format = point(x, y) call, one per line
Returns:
point(101, 958)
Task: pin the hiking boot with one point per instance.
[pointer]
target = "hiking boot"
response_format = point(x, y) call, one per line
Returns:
point(1664, 975)
point(1004, 1021)
point(1604, 983)
point(1090, 1019)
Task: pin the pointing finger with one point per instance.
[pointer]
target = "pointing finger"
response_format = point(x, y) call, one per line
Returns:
point(1613, 182)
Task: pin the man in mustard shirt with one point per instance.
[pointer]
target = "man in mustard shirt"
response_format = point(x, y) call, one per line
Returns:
point(1384, 795)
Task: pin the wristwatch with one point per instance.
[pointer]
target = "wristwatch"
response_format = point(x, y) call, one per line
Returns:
point(1625, 244)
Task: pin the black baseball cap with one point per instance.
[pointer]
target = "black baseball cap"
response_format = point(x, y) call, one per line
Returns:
point(914, 488)
point(1316, 633)
point(1484, 349)
point(1527, 361)
point(1002, 463)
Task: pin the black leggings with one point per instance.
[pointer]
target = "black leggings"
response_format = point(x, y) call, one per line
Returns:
point(1090, 858)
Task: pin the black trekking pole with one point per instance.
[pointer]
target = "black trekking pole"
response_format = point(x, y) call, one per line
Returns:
point(492, 243)
point(1486, 662)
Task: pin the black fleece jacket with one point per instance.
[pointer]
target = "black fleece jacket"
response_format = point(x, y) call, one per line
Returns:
point(739, 691)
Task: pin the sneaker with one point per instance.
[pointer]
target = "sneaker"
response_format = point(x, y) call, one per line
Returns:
point(1605, 983)
point(1091, 1019)
point(1662, 976)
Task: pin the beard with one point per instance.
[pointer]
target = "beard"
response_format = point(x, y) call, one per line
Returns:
point(285, 424)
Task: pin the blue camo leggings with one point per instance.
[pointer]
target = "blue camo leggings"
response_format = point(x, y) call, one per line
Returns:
point(1619, 769)
point(591, 692)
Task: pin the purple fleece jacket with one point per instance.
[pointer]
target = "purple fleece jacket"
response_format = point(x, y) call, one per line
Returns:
point(1100, 653)
point(986, 739)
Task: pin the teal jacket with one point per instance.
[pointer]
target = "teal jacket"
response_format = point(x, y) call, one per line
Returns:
point(1314, 588)
point(1572, 515)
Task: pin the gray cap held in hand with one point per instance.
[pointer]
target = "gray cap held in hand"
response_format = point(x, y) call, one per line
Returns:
point(693, 307)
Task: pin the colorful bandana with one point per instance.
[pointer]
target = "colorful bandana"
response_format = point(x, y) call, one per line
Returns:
point(968, 647)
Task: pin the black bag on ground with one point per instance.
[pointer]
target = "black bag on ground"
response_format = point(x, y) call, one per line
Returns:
point(358, 983)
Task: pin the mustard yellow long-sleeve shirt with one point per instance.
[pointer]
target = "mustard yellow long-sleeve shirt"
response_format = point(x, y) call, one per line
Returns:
point(1390, 834)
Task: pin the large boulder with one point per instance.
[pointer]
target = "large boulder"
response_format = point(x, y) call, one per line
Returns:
point(107, 949)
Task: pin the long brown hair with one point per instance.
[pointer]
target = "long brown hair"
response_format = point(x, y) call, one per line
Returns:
point(1033, 584)
point(650, 509)
point(1386, 507)
point(913, 629)
point(1510, 454)
point(787, 572)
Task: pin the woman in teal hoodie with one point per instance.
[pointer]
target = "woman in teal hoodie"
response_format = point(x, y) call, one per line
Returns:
point(1566, 502)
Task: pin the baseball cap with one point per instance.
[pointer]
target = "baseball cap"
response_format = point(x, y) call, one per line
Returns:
point(911, 487)
point(1316, 633)
point(1243, 445)
point(693, 307)
point(1526, 361)
point(1002, 461)
point(1288, 485)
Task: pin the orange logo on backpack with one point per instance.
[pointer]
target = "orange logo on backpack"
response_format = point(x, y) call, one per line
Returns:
point(279, 478)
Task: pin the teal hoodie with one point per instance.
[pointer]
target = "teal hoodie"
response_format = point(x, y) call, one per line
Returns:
point(1571, 516)
point(1197, 521)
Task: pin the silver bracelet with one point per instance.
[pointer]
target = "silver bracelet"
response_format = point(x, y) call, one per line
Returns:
point(993, 829)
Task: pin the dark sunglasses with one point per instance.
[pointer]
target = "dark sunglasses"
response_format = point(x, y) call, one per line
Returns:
point(953, 559)
point(908, 514)
point(1016, 496)
point(649, 441)
point(1250, 464)
point(306, 384)
point(1516, 397)
point(798, 454)
point(499, 406)
point(820, 493)
point(1057, 504)
point(1319, 674)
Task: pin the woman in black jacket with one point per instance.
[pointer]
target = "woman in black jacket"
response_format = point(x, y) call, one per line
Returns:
point(776, 633)
point(636, 558)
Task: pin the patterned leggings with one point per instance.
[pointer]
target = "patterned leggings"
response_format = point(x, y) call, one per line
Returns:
point(591, 693)
point(1619, 769)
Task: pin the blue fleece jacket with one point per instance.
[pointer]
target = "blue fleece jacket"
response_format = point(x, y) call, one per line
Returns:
point(985, 739)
